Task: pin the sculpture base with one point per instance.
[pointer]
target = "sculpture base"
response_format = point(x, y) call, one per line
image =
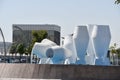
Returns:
point(63, 72)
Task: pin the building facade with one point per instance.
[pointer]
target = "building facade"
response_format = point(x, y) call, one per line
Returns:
point(23, 32)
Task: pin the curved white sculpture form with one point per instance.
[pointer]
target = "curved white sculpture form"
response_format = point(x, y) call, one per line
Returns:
point(58, 54)
point(69, 44)
point(39, 49)
point(91, 54)
point(81, 39)
point(101, 39)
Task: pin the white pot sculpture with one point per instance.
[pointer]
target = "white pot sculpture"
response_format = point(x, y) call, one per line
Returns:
point(39, 49)
point(81, 39)
point(101, 39)
point(58, 54)
point(91, 54)
point(69, 44)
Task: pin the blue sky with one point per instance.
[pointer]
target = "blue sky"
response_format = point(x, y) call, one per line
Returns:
point(66, 13)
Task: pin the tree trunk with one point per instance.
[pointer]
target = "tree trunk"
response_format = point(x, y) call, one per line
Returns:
point(20, 58)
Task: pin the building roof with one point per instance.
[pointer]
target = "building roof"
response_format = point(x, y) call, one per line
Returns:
point(37, 27)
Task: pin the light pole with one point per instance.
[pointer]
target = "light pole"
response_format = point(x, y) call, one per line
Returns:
point(3, 44)
point(63, 40)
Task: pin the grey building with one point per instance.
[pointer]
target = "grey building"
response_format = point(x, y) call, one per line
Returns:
point(23, 32)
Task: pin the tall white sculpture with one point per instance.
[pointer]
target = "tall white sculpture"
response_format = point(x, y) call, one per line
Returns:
point(39, 49)
point(69, 44)
point(101, 39)
point(81, 39)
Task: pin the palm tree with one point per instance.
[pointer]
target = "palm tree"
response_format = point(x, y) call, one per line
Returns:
point(114, 52)
point(113, 49)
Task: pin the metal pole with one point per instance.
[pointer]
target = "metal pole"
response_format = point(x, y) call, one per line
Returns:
point(4, 44)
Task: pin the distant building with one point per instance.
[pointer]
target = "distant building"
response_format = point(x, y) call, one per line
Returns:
point(23, 32)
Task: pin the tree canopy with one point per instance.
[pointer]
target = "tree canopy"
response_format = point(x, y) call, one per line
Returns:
point(20, 48)
point(118, 52)
point(117, 1)
point(38, 36)
point(13, 48)
point(113, 49)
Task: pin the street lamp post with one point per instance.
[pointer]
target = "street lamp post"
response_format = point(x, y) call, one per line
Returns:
point(3, 44)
